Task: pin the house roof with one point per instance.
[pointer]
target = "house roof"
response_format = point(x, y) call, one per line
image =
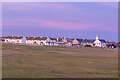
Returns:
point(53, 38)
point(14, 37)
point(102, 41)
point(93, 40)
point(69, 40)
point(88, 40)
point(59, 39)
point(36, 38)
point(79, 40)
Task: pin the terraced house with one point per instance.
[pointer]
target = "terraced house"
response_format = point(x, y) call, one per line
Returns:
point(15, 39)
point(42, 41)
point(59, 41)
point(46, 41)
point(91, 42)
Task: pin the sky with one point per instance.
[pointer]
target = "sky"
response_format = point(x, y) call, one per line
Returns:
point(59, 19)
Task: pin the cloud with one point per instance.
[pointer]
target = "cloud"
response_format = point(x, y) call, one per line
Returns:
point(38, 23)
point(70, 19)
point(14, 6)
point(23, 6)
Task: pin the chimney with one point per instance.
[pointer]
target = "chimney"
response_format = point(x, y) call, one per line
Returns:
point(23, 36)
point(33, 36)
point(97, 37)
point(28, 36)
point(64, 37)
point(57, 38)
point(40, 36)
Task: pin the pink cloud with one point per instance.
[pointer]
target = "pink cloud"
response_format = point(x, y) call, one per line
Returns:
point(27, 6)
point(59, 24)
point(17, 6)
point(68, 25)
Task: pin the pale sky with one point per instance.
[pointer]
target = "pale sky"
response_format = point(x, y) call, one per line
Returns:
point(69, 19)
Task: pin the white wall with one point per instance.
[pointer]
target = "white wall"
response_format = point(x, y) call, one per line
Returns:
point(97, 43)
point(13, 41)
point(38, 42)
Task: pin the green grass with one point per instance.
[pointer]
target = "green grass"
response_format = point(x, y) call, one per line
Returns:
point(25, 61)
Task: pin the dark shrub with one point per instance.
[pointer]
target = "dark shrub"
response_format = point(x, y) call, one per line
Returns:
point(87, 46)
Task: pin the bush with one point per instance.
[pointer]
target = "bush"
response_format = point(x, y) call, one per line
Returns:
point(87, 46)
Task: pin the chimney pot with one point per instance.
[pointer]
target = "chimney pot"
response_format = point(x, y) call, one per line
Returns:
point(40, 36)
point(33, 36)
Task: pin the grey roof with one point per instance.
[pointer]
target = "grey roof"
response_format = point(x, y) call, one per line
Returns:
point(36, 38)
point(88, 40)
point(60, 39)
point(53, 38)
point(79, 40)
point(70, 40)
point(102, 41)
point(92, 41)
point(14, 37)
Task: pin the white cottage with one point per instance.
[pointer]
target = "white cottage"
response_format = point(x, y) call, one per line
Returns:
point(52, 41)
point(42, 41)
point(91, 42)
point(100, 42)
point(36, 40)
point(61, 39)
point(15, 39)
point(67, 43)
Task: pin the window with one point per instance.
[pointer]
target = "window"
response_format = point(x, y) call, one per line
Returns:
point(35, 43)
point(41, 43)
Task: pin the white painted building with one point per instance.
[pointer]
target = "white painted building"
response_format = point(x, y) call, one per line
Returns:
point(36, 40)
point(67, 43)
point(50, 41)
point(61, 40)
point(100, 42)
point(42, 41)
point(15, 39)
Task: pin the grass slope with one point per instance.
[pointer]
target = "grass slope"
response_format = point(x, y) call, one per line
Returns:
point(25, 61)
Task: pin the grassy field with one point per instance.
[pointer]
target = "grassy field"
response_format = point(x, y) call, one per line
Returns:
point(25, 61)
